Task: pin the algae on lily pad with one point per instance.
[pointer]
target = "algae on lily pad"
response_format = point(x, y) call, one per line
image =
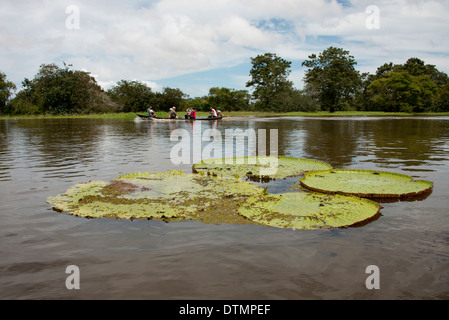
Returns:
point(366, 183)
point(262, 168)
point(169, 196)
point(309, 211)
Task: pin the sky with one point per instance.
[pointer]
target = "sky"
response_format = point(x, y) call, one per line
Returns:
point(195, 45)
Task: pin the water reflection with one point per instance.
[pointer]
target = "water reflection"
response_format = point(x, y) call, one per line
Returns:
point(70, 146)
point(5, 151)
point(410, 142)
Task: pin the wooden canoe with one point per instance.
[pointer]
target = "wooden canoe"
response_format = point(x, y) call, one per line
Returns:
point(144, 117)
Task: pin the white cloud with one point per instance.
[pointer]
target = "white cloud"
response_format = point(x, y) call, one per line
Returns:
point(153, 41)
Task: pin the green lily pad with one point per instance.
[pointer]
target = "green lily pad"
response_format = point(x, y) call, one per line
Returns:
point(175, 196)
point(309, 211)
point(169, 196)
point(259, 168)
point(366, 183)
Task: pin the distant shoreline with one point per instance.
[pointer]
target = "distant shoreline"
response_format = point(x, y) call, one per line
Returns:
point(323, 114)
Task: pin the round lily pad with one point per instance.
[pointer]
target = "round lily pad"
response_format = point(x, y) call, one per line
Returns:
point(259, 168)
point(169, 196)
point(309, 210)
point(366, 183)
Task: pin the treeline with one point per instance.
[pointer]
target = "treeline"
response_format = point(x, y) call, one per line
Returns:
point(414, 86)
point(331, 79)
point(56, 90)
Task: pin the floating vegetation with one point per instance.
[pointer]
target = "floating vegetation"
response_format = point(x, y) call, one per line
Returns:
point(169, 196)
point(366, 183)
point(309, 210)
point(217, 193)
point(260, 169)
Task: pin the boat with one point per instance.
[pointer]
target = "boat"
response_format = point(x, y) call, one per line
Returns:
point(145, 117)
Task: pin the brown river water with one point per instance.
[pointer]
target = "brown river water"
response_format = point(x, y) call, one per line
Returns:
point(141, 259)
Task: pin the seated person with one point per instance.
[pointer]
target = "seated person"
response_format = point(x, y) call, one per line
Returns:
point(151, 113)
point(172, 113)
point(191, 114)
point(188, 111)
point(213, 113)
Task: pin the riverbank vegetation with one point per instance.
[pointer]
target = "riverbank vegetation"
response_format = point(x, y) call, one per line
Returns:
point(332, 85)
point(233, 114)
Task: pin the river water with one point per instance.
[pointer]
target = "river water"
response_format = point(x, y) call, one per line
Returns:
point(142, 259)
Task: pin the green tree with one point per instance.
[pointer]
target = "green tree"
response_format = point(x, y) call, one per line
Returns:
point(6, 90)
point(417, 67)
point(332, 78)
point(198, 103)
point(297, 100)
point(411, 87)
point(134, 96)
point(399, 91)
point(170, 97)
point(57, 90)
point(269, 78)
point(229, 99)
point(442, 103)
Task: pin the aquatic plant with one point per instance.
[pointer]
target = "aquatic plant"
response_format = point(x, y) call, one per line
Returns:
point(216, 193)
point(168, 196)
point(307, 211)
point(366, 183)
point(175, 196)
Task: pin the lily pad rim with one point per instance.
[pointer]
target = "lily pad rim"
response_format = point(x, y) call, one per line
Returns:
point(370, 195)
point(279, 157)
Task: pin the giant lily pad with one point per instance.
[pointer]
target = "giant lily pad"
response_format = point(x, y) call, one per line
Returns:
point(169, 196)
point(366, 183)
point(175, 196)
point(259, 168)
point(309, 210)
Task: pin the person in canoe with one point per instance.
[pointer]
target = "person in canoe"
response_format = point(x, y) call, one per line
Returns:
point(191, 114)
point(188, 111)
point(151, 112)
point(213, 113)
point(172, 113)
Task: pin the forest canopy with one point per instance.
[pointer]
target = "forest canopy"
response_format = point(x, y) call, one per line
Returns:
point(331, 82)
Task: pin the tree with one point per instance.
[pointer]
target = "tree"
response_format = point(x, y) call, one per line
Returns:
point(403, 92)
point(57, 90)
point(442, 104)
point(198, 103)
point(6, 91)
point(228, 99)
point(269, 78)
point(417, 67)
point(134, 96)
point(332, 78)
point(410, 87)
point(170, 97)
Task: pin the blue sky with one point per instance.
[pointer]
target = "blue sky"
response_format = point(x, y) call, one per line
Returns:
point(197, 44)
